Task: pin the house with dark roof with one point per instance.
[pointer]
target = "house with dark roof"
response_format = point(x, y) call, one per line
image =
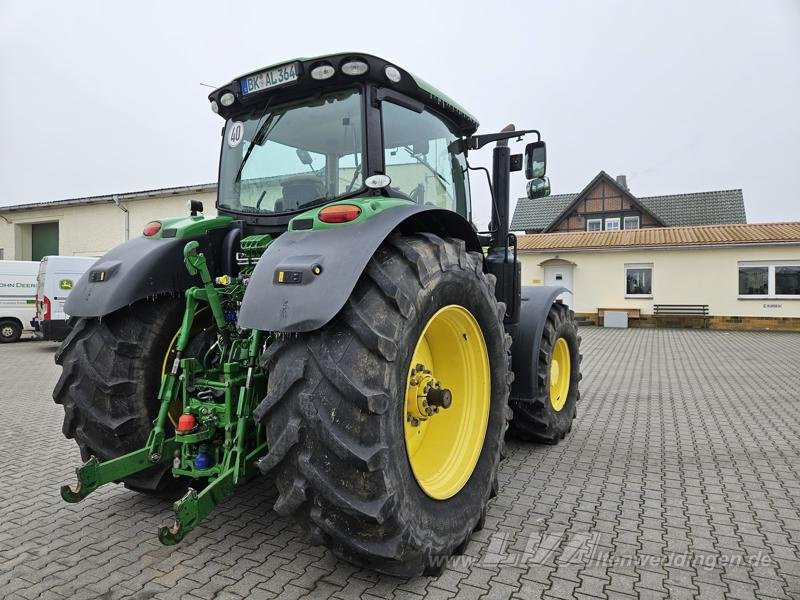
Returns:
point(732, 276)
point(606, 204)
point(661, 259)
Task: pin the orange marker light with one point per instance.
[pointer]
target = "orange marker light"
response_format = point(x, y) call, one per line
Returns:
point(339, 213)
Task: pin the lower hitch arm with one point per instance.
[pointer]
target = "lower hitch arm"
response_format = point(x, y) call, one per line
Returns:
point(93, 473)
point(194, 507)
point(87, 482)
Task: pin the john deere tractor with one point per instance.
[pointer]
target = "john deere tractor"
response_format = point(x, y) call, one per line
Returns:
point(341, 326)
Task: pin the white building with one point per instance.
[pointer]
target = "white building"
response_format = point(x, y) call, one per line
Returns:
point(747, 274)
point(91, 226)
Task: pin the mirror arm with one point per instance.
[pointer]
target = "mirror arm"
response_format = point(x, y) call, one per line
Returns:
point(477, 142)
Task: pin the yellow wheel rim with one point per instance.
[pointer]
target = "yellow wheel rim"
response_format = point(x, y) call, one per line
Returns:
point(443, 448)
point(560, 368)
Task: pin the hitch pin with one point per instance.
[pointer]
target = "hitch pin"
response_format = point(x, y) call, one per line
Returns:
point(176, 364)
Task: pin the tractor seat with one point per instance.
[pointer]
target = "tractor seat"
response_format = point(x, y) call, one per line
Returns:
point(298, 191)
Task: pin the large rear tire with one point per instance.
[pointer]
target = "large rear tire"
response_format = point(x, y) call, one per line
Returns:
point(548, 418)
point(336, 415)
point(109, 384)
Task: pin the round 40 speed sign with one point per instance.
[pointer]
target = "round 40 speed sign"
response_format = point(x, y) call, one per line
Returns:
point(235, 134)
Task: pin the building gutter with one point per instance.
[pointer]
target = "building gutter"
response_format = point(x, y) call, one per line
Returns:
point(143, 195)
point(124, 209)
point(654, 247)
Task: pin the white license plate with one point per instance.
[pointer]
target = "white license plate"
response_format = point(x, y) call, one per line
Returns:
point(269, 79)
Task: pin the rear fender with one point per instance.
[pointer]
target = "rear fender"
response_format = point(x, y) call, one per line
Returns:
point(136, 269)
point(526, 336)
point(304, 278)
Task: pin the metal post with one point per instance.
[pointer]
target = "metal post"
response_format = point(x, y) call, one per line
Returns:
point(501, 163)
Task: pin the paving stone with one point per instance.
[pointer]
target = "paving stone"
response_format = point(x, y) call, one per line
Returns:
point(670, 464)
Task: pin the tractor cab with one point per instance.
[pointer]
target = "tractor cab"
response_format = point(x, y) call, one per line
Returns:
point(314, 131)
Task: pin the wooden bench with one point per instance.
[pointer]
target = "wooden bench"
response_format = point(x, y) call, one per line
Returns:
point(681, 310)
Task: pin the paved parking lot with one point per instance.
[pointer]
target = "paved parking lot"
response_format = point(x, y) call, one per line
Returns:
point(681, 478)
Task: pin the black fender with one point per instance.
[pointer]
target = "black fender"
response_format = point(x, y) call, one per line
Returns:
point(526, 335)
point(136, 269)
point(321, 268)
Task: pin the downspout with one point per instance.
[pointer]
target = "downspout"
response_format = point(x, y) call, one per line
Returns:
point(127, 217)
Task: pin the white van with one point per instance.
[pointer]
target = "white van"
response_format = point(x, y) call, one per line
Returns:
point(57, 276)
point(17, 304)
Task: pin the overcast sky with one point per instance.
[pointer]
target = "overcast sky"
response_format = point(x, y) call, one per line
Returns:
point(679, 95)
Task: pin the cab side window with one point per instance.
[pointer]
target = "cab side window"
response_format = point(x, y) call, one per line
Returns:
point(422, 160)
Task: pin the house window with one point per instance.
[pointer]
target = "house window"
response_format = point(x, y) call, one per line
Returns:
point(787, 280)
point(632, 222)
point(612, 224)
point(639, 281)
point(753, 281)
point(594, 224)
point(769, 279)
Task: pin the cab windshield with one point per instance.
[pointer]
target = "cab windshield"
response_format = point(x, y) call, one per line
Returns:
point(292, 157)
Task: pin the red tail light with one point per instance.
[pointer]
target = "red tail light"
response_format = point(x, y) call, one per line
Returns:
point(339, 213)
point(152, 228)
point(46, 308)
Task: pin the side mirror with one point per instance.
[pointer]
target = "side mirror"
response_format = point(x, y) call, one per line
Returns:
point(535, 160)
point(195, 206)
point(538, 188)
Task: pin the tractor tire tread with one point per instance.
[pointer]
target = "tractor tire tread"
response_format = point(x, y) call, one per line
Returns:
point(107, 379)
point(535, 420)
point(331, 470)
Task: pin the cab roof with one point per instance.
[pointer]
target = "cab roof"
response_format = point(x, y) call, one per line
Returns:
point(295, 81)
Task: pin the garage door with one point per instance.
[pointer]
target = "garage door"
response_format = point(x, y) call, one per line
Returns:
point(44, 240)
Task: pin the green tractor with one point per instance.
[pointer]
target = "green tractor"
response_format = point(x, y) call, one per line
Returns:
point(340, 326)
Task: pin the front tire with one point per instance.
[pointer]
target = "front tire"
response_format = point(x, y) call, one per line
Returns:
point(10, 331)
point(335, 412)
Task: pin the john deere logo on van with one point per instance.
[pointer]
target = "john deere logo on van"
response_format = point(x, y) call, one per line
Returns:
point(65, 284)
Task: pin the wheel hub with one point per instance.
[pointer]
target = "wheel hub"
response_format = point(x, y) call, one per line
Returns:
point(425, 396)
